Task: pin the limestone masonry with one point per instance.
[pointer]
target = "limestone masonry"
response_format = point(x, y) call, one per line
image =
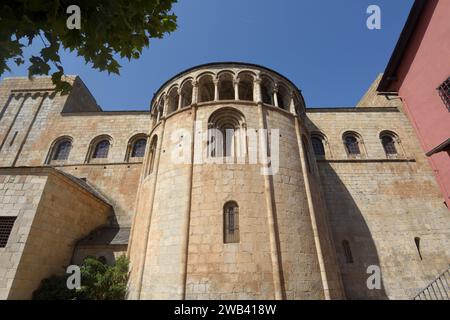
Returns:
point(184, 191)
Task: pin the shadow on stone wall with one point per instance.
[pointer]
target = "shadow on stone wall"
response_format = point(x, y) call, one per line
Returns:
point(348, 224)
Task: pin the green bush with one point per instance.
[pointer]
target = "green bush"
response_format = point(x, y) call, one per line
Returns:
point(98, 282)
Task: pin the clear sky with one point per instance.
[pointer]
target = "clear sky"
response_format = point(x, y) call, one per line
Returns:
point(323, 46)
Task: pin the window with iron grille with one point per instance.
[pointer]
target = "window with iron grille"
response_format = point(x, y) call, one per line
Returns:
point(139, 148)
point(444, 92)
point(231, 222)
point(389, 145)
point(62, 150)
point(6, 225)
point(352, 145)
point(318, 147)
point(101, 149)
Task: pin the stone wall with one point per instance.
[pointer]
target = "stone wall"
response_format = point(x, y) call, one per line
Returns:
point(291, 224)
point(180, 222)
point(381, 205)
point(33, 118)
point(110, 252)
point(53, 212)
point(20, 196)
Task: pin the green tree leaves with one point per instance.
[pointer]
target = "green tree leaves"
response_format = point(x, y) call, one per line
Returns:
point(98, 282)
point(108, 28)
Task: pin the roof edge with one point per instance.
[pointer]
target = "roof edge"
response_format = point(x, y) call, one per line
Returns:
point(217, 63)
point(402, 44)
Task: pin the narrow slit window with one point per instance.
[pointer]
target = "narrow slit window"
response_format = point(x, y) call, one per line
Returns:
point(347, 251)
point(417, 242)
point(231, 222)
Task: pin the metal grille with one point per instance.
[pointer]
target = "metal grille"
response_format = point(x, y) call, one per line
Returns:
point(139, 148)
point(444, 92)
point(352, 145)
point(63, 150)
point(389, 145)
point(101, 150)
point(231, 222)
point(438, 289)
point(6, 225)
point(317, 144)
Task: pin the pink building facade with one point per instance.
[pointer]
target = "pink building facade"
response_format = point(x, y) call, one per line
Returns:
point(419, 72)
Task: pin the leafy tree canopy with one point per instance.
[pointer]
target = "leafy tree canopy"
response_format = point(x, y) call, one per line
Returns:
point(108, 27)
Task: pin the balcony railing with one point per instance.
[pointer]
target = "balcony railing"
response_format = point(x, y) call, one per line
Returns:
point(437, 290)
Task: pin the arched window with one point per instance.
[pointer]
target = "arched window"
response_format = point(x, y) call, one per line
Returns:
point(172, 100)
point(153, 145)
point(389, 145)
point(231, 222)
point(267, 90)
point(186, 94)
point(283, 97)
point(226, 133)
point(306, 152)
point(226, 86)
point(347, 251)
point(352, 144)
point(101, 150)
point(206, 88)
point(60, 150)
point(138, 149)
point(245, 87)
point(389, 140)
point(318, 147)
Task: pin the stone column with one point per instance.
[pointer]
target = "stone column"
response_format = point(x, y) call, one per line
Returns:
point(291, 103)
point(275, 96)
point(236, 89)
point(216, 89)
point(274, 250)
point(157, 114)
point(187, 214)
point(195, 92)
point(312, 213)
point(148, 221)
point(180, 98)
point(257, 97)
point(166, 106)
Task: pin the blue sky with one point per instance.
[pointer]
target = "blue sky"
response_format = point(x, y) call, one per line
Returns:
point(323, 46)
